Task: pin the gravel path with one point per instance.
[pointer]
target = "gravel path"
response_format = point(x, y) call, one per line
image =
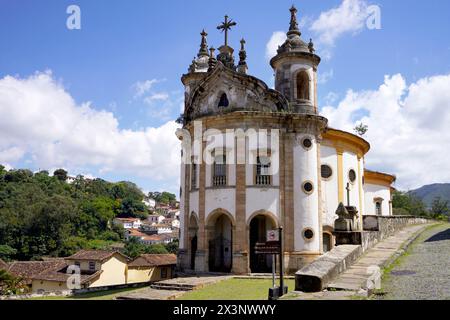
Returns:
point(424, 273)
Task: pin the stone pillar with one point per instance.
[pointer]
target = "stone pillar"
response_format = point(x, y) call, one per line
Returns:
point(241, 250)
point(201, 259)
point(287, 187)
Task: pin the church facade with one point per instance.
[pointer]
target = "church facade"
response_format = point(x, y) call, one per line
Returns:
point(263, 159)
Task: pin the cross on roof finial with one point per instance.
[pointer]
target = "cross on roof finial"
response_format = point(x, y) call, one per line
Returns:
point(225, 26)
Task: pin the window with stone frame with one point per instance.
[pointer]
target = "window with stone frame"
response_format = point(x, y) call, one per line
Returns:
point(263, 175)
point(378, 208)
point(303, 86)
point(220, 170)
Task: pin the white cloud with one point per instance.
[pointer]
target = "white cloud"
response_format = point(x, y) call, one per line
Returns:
point(276, 40)
point(162, 96)
point(408, 127)
point(349, 17)
point(142, 87)
point(326, 76)
point(330, 98)
point(45, 123)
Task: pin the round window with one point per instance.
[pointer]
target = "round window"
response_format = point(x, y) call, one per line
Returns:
point(308, 187)
point(307, 143)
point(308, 234)
point(326, 171)
point(352, 175)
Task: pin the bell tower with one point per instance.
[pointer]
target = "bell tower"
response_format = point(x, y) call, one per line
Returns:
point(295, 67)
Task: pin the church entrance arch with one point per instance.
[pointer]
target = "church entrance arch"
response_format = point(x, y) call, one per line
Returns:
point(220, 243)
point(258, 227)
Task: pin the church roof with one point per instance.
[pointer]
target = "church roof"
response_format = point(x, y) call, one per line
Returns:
point(375, 177)
point(347, 140)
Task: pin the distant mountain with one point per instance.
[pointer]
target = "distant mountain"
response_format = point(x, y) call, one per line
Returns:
point(430, 192)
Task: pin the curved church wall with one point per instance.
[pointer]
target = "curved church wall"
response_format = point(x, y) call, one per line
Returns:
point(330, 199)
point(306, 205)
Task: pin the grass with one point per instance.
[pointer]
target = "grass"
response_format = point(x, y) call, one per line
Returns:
point(235, 289)
point(99, 295)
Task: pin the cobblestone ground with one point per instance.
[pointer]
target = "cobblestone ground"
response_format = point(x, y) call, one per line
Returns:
point(424, 273)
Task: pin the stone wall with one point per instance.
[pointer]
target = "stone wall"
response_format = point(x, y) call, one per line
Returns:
point(377, 228)
point(315, 276)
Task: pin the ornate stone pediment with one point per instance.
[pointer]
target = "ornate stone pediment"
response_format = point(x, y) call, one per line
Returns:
point(224, 90)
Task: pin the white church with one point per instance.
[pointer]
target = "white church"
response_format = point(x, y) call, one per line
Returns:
point(265, 159)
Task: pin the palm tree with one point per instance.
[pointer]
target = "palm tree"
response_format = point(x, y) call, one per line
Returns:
point(10, 284)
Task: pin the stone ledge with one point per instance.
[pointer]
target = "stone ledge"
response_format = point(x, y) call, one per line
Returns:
point(315, 276)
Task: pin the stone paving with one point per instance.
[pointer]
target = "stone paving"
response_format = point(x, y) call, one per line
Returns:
point(423, 274)
point(356, 277)
point(353, 281)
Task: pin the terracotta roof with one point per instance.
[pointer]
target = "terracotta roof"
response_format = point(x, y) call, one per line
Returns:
point(3, 265)
point(62, 276)
point(127, 219)
point(95, 255)
point(135, 233)
point(30, 269)
point(154, 260)
point(153, 237)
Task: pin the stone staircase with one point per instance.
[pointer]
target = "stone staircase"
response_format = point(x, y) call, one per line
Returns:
point(356, 277)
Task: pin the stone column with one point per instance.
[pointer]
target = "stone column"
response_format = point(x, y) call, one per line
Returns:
point(241, 248)
point(201, 259)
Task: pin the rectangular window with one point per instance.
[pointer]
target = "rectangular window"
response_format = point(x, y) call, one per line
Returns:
point(220, 171)
point(92, 265)
point(263, 177)
point(378, 209)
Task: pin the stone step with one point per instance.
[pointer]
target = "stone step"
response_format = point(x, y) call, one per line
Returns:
point(172, 287)
point(346, 285)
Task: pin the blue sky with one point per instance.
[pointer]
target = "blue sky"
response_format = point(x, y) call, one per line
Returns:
point(122, 43)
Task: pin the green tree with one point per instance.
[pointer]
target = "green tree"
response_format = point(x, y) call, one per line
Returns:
point(172, 247)
point(60, 174)
point(6, 252)
point(439, 209)
point(361, 129)
point(10, 284)
point(133, 248)
point(156, 249)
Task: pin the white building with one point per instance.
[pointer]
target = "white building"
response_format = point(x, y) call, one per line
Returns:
point(128, 223)
point(282, 165)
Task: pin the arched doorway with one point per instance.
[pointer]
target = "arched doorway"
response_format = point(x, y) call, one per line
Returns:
point(193, 238)
point(259, 225)
point(220, 244)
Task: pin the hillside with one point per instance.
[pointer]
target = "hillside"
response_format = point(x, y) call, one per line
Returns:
point(429, 192)
point(43, 215)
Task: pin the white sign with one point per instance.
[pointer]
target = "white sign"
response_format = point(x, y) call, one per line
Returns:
point(272, 236)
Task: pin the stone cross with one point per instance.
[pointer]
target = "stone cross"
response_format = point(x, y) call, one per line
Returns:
point(225, 26)
point(348, 194)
